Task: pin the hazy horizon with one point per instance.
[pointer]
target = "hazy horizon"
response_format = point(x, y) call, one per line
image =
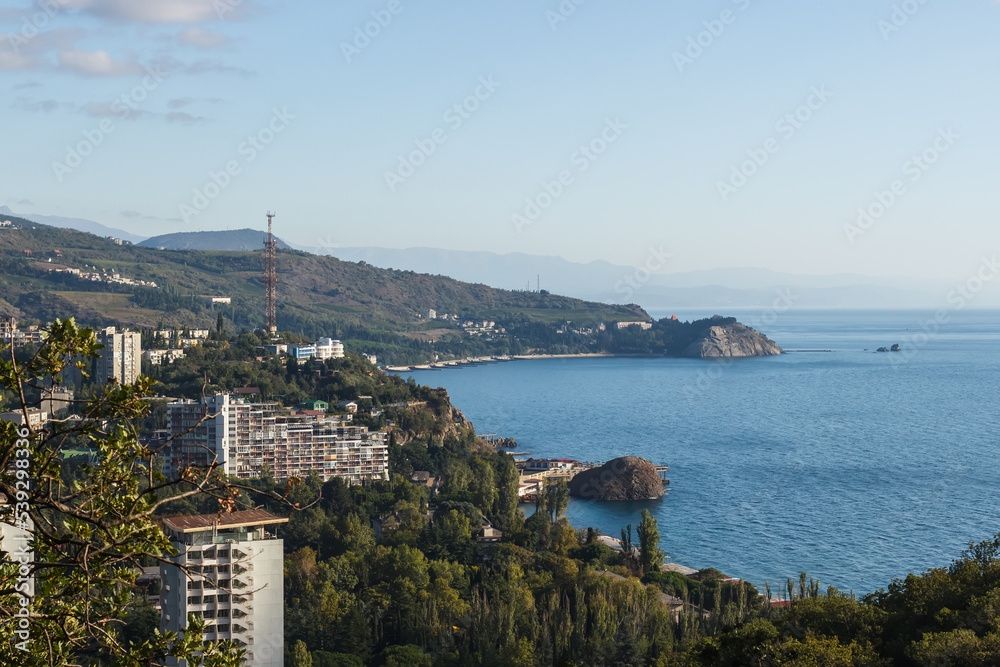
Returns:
point(466, 127)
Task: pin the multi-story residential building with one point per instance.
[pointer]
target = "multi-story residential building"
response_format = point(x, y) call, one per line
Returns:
point(9, 333)
point(327, 348)
point(234, 581)
point(8, 325)
point(56, 400)
point(15, 532)
point(121, 357)
point(323, 349)
point(159, 357)
point(36, 418)
point(245, 438)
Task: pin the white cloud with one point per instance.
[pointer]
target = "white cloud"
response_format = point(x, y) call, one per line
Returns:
point(35, 106)
point(96, 63)
point(10, 61)
point(182, 117)
point(160, 11)
point(203, 39)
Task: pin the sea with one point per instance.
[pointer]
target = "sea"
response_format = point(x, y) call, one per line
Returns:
point(854, 466)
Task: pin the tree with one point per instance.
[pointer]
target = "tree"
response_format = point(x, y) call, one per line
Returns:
point(89, 534)
point(628, 549)
point(556, 499)
point(650, 556)
point(301, 656)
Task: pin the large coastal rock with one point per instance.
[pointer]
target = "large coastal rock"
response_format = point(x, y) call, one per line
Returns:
point(625, 478)
point(732, 340)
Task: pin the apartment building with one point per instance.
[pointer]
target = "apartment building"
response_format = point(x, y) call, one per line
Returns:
point(245, 438)
point(234, 581)
point(121, 357)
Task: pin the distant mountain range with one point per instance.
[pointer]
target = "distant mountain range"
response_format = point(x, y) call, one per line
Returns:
point(79, 224)
point(609, 283)
point(48, 272)
point(244, 240)
point(598, 281)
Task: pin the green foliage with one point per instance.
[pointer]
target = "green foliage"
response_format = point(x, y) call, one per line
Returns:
point(89, 533)
point(383, 573)
point(371, 309)
point(650, 555)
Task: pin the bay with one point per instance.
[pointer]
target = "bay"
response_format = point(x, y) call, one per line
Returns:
point(854, 466)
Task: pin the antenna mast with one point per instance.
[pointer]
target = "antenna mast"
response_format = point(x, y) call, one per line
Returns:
point(271, 277)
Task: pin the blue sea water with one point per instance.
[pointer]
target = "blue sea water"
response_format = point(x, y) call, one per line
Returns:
point(853, 466)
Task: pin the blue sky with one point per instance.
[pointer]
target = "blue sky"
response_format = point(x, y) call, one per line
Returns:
point(162, 94)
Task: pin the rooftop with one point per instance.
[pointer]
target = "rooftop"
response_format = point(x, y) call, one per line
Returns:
point(245, 518)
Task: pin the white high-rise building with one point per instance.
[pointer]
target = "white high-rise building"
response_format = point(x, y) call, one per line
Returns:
point(121, 357)
point(327, 348)
point(234, 581)
point(245, 438)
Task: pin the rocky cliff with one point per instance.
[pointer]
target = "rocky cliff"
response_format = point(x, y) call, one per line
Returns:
point(625, 478)
point(732, 340)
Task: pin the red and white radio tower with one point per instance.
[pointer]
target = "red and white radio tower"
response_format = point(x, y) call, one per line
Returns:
point(271, 277)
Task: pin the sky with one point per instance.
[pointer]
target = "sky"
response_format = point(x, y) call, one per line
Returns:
point(855, 136)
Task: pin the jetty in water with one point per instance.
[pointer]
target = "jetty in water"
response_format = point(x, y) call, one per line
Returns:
point(454, 363)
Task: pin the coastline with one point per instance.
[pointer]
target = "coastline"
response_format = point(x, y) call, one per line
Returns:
point(477, 361)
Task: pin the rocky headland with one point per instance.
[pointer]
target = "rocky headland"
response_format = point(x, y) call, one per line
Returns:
point(624, 478)
point(731, 341)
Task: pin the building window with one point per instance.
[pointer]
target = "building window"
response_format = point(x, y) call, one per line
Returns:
point(223, 628)
point(194, 585)
point(194, 599)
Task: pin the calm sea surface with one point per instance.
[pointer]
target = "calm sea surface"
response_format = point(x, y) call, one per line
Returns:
point(853, 466)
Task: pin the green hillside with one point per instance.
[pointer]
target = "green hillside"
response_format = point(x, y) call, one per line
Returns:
point(377, 309)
